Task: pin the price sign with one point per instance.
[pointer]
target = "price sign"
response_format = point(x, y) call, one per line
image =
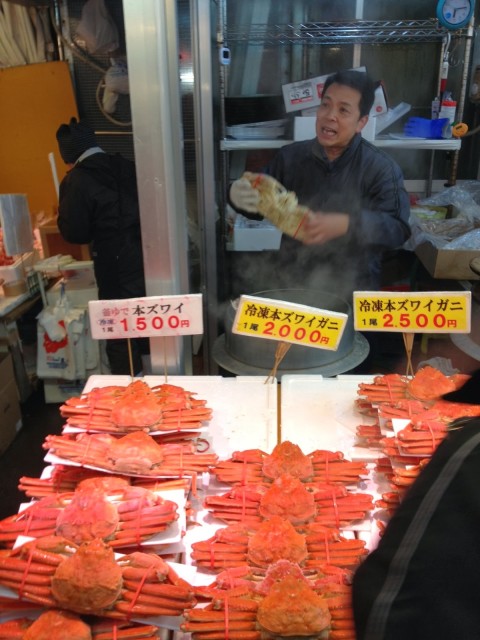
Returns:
point(301, 93)
point(416, 312)
point(150, 317)
point(289, 322)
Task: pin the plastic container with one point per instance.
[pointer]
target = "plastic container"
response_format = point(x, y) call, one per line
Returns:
point(448, 110)
point(18, 270)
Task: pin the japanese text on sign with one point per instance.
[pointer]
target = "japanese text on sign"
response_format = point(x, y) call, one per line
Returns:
point(151, 317)
point(288, 322)
point(419, 312)
point(301, 93)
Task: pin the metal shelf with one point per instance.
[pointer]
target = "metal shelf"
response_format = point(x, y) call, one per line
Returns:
point(355, 32)
point(452, 144)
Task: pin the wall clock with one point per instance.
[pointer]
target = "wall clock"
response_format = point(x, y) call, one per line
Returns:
point(454, 14)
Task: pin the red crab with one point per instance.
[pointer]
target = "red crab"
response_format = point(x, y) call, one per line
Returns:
point(254, 465)
point(56, 624)
point(86, 579)
point(116, 512)
point(117, 409)
point(276, 539)
point(136, 453)
point(428, 384)
point(65, 479)
point(280, 602)
point(298, 502)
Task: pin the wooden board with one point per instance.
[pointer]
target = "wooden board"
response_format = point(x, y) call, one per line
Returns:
point(35, 100)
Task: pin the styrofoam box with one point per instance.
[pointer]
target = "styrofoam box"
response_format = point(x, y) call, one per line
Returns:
point(255, 235)
point(306, 94)
point(17, 270)
point(304, 128)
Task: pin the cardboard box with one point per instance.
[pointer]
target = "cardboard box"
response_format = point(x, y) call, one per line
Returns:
point(254, 235)
point(447, 264)
point(10, 413)
point(306, 94)
point(57, 390)
point(53, 244)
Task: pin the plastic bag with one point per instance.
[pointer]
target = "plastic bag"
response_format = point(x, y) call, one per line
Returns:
point(116, 83)
point(444, 365)
point(465, 200)
point(61, 342)
point(97, 28)
point(468, 242)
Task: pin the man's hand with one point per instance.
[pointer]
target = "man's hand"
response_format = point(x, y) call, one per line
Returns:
point(243, 196)
point(322, 227)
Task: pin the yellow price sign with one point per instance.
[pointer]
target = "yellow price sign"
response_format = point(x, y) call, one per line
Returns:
point(289, 322)
point(413, 312)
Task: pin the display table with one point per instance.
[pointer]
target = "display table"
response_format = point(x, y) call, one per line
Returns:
point(11, 309)
point(249, 413)
point(244, 408)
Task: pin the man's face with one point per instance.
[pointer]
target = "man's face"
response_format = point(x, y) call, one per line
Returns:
point(338, 118)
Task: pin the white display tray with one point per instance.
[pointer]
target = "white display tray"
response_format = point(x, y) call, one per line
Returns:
point(244, 408)
point(320, 413)
point(173, 534)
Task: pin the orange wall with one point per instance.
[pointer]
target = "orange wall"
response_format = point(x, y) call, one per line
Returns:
point(35, 100)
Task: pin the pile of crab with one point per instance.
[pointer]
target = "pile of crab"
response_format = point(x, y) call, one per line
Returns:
point(278, 602)
point(411, 420)
point(302, 488)
point(284, 557)
point(69, 551)
point(417, 401)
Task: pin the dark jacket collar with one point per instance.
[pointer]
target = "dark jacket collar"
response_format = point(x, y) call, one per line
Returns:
point(319, 152)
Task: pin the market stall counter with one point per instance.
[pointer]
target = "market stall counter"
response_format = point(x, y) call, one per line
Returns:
point(249, 417)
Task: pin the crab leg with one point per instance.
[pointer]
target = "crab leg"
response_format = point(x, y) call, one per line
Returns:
point(145, 632)
point(149, 633)
point(14, 629)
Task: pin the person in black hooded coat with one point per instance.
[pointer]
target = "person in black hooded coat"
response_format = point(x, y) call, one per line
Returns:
point(421, 582)
point(98, 205)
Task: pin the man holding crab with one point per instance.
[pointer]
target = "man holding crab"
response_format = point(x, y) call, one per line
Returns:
point(358, 204)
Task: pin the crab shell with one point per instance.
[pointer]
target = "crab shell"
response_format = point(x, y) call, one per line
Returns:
point(287, 457)
point(291, 608)
point(58, 625)
point(53, 572)
point(76, 585)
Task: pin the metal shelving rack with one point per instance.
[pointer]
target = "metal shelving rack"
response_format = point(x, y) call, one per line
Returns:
point(354, 32)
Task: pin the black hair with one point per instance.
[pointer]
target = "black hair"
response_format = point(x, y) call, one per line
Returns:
point(358, 80)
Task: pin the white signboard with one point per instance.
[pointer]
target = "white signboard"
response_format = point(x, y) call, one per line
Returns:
point(150, 317)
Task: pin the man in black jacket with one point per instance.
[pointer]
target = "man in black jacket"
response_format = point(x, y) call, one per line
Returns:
point(98, 205)
point(355, 191)
point(421, 582)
